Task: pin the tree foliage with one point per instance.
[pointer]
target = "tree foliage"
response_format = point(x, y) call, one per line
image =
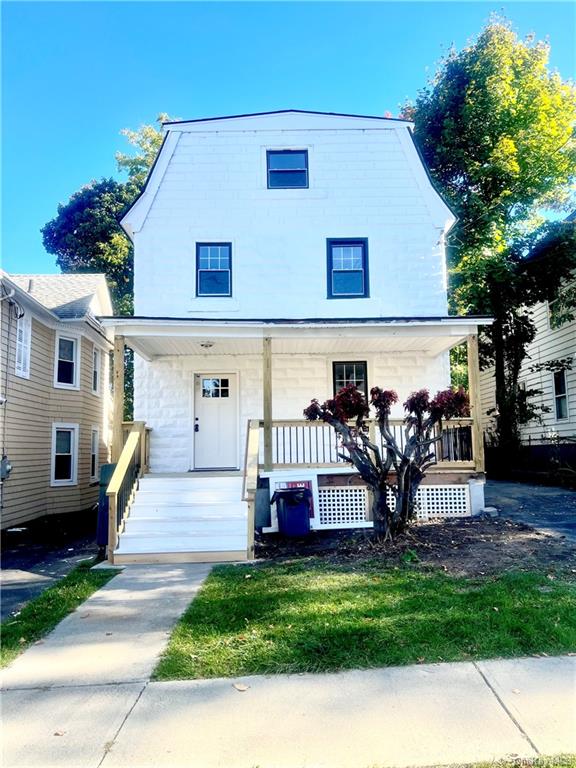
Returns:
point(496, 129)
point(85, 235)
point(147, 140)
point(394, 497)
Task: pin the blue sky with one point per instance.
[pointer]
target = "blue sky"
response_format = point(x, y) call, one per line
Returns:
point(75, 73)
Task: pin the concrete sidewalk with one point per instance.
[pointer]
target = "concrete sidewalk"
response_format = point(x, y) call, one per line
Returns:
point(83, 698)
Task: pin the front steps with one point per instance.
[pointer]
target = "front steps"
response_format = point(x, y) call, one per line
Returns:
point(185, 519)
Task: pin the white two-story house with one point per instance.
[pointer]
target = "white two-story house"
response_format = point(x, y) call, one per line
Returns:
point(278, 257)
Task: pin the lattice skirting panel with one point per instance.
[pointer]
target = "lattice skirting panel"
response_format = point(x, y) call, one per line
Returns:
point(347, 506)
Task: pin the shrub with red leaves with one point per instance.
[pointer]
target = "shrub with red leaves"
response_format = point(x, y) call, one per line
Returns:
point(450, 404)
point(418, 403)
point(382, 400)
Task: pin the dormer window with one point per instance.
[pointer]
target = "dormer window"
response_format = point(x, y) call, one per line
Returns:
point(287, 168)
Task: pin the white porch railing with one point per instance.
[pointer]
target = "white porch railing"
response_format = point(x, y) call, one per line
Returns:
point(314, 444)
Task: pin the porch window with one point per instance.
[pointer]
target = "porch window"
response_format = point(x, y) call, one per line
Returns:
point(213, 269)
point(287, 169)
point(348, 269)
point(64, 454)
point(347, 373)
point(560, 395)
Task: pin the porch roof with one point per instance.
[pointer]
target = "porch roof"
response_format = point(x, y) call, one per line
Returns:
point(152, 337)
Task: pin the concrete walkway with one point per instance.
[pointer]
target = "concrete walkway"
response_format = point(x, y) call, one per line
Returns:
point(549, 509)
point(82, 698)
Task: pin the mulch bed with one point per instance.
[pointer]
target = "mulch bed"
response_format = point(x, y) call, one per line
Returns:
point(465, 547)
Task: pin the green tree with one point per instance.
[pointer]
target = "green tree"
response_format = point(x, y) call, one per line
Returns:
point(496, 129)
point(147, 140)
point(85, 237)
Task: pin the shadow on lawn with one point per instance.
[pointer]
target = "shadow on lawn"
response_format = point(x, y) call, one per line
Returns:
point(313, 617)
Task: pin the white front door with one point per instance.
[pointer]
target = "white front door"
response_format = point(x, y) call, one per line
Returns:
point(215, 421)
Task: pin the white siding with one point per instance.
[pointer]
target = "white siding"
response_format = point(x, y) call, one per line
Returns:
point(364, 183)
point(549, 344)
point(164, 394)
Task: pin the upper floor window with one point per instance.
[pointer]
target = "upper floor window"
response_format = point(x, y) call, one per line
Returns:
point(96, 371)
point(67, 357)
point(287, 168)
point(213, 269)
point(23, 346)
point(347, 373)
point(348, 269)
point(560, 395)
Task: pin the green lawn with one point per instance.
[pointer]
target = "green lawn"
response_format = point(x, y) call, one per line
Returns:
point(42, 614)
point(309, 616)
point(560, 761)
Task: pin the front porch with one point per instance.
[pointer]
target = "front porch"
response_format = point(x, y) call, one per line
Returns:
point(277, 370)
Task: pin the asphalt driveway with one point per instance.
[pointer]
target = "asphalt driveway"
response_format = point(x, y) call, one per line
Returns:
point(552, 510)
point(37, 554)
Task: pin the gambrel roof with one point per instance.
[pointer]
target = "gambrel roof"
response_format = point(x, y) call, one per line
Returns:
point(284, 120)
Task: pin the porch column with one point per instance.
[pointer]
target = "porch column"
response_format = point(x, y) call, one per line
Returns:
point(267, 399)
point(118, 411)
point(475, 403)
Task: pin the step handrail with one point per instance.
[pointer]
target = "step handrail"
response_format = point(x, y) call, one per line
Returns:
point(124, 481)
point(250, 481)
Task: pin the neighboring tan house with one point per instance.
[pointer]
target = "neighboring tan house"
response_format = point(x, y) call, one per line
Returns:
point(278, 257)
point(55, 393)
point(550, 369)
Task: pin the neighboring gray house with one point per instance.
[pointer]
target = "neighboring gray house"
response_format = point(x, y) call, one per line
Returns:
point(56, 404)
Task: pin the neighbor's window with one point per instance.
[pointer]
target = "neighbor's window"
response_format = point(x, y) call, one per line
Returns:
point(560, 395)
point(67, 362)
point(347, 269)
point(94, 440)
point(96, 371)
point(287, 168)
point(347, 373)
point(64, 454)
point(23, 346)
point(213, 269)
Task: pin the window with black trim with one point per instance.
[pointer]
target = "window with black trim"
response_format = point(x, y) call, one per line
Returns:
point(560, 395)
point(213, 269)
point(354, 372)
point(348, 269)
point(287, 168)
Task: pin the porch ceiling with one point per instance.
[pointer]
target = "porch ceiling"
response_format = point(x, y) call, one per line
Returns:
point(156, 338)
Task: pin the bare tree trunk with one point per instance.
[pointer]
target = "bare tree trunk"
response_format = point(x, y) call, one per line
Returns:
point(381, 514)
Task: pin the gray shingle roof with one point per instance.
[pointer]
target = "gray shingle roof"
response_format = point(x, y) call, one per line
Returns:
point(68, 296)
